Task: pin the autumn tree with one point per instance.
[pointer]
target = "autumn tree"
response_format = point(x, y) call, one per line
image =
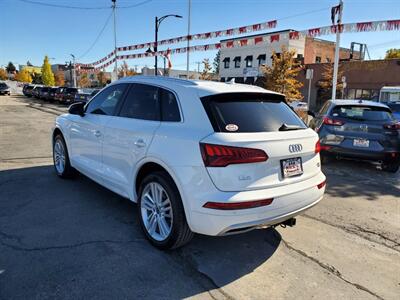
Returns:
point(23, 76)
point(325, 84)
point(59, 78)
point(206, 73)
point(392, 53)
point(3, 74)
point(84, 81)
point(281, 77)
point(101, 77)
point(216, 62)
point(125, 71)
point(47, 73)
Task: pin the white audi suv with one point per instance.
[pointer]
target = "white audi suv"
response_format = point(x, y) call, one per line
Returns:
point(197, 156)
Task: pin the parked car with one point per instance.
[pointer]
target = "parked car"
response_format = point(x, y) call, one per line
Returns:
point(84, 95)
point(359, 129)
point(299, 105)
point(59, 94)
point(27, 90)
point(36, 91)
point(52, 93)
point(69, 95)
point(4, 89)
point(197, 156)
point(44, 93)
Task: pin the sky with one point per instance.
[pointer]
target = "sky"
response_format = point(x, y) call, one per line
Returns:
point(30, 31)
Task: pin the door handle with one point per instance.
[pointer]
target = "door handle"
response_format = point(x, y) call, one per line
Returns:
point(140, 143)
point(97, 133)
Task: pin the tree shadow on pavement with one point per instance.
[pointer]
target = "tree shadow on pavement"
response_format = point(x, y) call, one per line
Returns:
point(346, 178)
point(75, 239)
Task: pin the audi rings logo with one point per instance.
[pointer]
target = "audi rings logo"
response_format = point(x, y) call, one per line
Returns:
point(295, 148)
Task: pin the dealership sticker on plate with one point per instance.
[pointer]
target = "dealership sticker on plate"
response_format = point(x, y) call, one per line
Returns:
point(232, 127)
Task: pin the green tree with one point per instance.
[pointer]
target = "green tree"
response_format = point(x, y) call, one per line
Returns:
point(206, 73)
point(11, 68)
point(3, 74)
point(392, 53)
point(47, 74)
point(216, 62)
point(23, 76)
point(281, 77)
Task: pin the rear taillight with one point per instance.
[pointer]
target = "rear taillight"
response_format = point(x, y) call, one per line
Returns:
point(333, 122)
point(222, 156)
point(321, 185)
point(394, 126)
point(238, 205)
point(319, 147)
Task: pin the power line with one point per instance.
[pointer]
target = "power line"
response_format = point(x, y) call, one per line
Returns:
point(81, 7)
point(97, 38)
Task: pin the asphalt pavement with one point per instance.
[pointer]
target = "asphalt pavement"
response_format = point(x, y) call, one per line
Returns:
point(73, 239)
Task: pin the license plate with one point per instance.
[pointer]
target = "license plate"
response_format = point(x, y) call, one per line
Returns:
point(361, 143)
point(291, 167)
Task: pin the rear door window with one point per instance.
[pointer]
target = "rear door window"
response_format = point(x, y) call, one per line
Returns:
point(362, 113)
point(169, 107)
point(141, 102)
point(250, 112)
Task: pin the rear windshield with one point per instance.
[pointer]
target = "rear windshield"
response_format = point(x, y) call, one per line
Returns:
point(362, 113)
point(250, 112)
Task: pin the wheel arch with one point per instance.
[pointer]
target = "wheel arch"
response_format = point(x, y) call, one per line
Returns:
point(151, 164)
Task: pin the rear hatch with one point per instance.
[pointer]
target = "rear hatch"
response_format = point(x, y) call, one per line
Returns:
point(361, 127)
point(258, 142)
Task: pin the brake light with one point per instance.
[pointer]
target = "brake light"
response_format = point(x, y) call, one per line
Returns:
point(395, 126)
point(222, 156)
point(333, 122)
point(238, 205)
point(319, 147)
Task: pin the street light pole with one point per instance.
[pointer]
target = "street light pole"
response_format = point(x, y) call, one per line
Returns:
point(115, 35)
point(73, 70)
point(157, 25)
point(337, 50)
point(188, 39)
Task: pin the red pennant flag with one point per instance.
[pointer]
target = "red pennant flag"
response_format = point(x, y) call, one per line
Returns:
point(364, 26)
point(218, 46)
point(256, 27)
point(393, 25)
point(229, 44)
point(242, 29)
point(314, 31)
point(272, 24)
point(243, 42)
point(229, 32)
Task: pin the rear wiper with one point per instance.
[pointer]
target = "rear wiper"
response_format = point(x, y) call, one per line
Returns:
point(286, 127)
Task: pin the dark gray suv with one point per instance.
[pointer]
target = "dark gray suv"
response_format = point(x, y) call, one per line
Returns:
point(359, 129)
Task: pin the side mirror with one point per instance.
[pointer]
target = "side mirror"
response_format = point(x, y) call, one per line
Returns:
point(77, 109)
point(311, 113)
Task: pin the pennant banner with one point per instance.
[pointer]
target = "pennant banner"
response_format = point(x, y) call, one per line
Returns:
point(266, 39)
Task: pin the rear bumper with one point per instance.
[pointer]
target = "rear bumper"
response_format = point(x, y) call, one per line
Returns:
point(386, 155)
point(288, 201)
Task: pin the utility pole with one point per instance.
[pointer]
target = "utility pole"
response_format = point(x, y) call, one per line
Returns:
point(115, 36)
point(337, 50)
point(73, 70)
point(188, 39)
point(198, 66)
point(156, 48)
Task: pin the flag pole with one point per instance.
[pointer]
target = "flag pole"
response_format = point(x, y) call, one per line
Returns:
point(337, 50)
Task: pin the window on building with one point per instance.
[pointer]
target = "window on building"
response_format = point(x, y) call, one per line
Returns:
point(300, 56)
point(226, 61)
point(249, 61)
point(351, 94)
point(261, 59)
point(237, 61)
point(318, 59)
point(358, 94)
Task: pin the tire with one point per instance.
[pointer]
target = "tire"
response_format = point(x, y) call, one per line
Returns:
point(62, 165)
point(390, 167)
point(179, 232)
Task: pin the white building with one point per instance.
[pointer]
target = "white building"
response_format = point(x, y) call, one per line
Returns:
point(243, 63)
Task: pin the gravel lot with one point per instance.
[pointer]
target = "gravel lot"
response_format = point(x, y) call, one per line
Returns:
point(74, 239)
